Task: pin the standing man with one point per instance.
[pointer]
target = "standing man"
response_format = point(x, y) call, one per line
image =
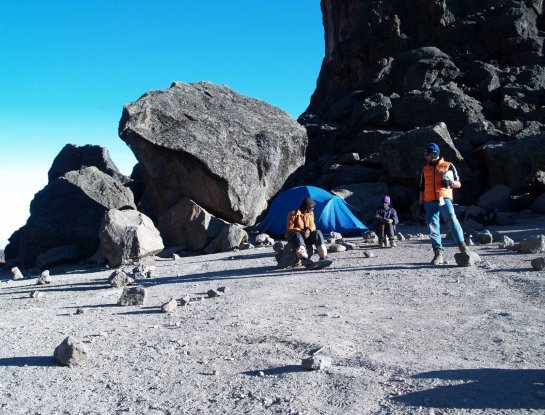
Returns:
point(301, 230)
point(437, 180)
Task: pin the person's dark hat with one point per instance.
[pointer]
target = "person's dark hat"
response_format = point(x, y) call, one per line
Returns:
point(307, 203)
point(432, 148)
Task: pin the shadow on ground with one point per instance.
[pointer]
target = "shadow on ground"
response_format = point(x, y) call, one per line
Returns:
point(482, 389)
point(21, 361)
point(275, 371)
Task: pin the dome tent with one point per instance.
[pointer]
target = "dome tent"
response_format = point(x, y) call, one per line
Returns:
point(331, 212)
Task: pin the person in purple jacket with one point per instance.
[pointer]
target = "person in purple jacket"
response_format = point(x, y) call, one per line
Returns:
point(385, 223)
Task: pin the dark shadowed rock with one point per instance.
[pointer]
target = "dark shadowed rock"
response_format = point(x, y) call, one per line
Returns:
point(496, 198)
point(127, 236)
point(402, 156)
point(362, 198)
point(467, 259)
point(227, 152)
point(73, 157)
point(133, 295)
point(539, 204)
point(71, 352)
point(58, 255)
point(69, 211)
point(538, 263)
point(186, 223)
point(229, 238)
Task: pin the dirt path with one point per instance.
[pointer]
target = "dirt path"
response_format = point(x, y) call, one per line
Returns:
point(404, 337)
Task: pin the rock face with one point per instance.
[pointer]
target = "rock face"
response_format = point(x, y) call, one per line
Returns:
point(73, 157)
point(394, 70)
point(227, 152)
point(127, 236)
point(67, 213)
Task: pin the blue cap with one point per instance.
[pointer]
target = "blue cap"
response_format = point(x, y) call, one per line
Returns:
point(432, 148)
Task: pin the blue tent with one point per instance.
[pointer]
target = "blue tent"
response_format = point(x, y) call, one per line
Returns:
point(331, 212)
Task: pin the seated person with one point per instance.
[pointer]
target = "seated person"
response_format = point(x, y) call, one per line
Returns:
point(301, 231)
point(385, 223)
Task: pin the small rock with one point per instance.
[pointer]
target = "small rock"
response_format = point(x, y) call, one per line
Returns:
point(538, 263)
point(246, 245)
point(185, 300)
point(71, 352)
point(336, 248)
point(120, 279)
point(279, 246)
point(467, 259)
point(79, 311)
point(506, 242)
point(44, 278)
point(213, 293)
point(17, 275)
point(175, 257)
point(170, 306)
point(335, 236)
point(484, 237)
point(316, 362)
point(36, 294)
point(349, 246)
point(224, 290)
point(532, 245)
point(369, 237)
point(368, 254)
point(400, 236)
point(264, 240)
point(134, 295)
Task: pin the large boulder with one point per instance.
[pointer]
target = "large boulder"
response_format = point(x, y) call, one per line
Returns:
point(227, 152)
point(403, 155)
point(516, 163)
point(73, 157)
point(496, 198)
point(362, 198)
point(68, 212)
point(127, 236)
point(187, 223)
point(230, 237)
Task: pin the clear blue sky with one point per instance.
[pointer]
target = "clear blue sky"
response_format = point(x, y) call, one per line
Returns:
point(68, 67)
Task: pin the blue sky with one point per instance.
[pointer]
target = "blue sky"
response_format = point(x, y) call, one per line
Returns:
point(68, 67)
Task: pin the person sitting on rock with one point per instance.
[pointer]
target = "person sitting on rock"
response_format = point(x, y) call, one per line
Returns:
point(385, 223)
point(301, 231)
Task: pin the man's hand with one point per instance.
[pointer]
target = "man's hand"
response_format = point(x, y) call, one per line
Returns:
point(307, 233)
point(389, 221)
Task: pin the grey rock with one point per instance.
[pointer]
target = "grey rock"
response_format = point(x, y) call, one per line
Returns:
point(279, 246)
point(229, 238)
point(286, 258)
point(36, 294)
point(496, 198)
point(170, 306)
point(58, 255)
point(484, 237)
point(241, 150)
point(68, 212)
point(213, 293)
point(71, 352)
point(316, 362)
point(532, 245)
point(467, 259)
point(224, 290)
point(368, 254)
point(133, 295)
point(187, 223)
point(336, 248)
point(16, 274)
point(349, 246)
point(400, 236)
point(538, 263)
point(185, 299)
point(44, 278)
point(120, 279)
point(264, 240)
point(73, 157)
point(127, 236)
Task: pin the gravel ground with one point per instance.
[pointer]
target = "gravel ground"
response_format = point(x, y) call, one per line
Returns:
point(404, 337)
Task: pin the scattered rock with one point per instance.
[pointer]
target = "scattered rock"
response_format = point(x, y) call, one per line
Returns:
point(336, 248)
point(368, 254)
point(348, 245)
point(17, 275)
point(484, 237)
point(538, 263)
point(246, 245)
point(506, 242)
point(467, 259)
point(400, 236)
point(264, 240)
point(44, 278)
point(279, 246)
point(224, 290)
point(120, 279)
point(185, 299)
point(134, 295)
point(335, 236)
point(213, 293)
point(169, 307)
point(316, 362)
point(36, 294)
point(71, 352)
point(532, 245)
point(370, 237)
point(79, 311)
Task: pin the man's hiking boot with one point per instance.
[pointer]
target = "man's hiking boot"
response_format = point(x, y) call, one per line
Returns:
point(463, 247)
point(382, 243)
point(438, 257)
point(307, 263)
point(392, 243)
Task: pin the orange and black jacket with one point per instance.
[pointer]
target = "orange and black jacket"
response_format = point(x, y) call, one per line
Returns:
point(299, 221)
point(431, 180)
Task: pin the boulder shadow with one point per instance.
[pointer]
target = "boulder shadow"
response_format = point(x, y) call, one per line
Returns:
point(21, 361)
point(275, 371)
point(487, 388)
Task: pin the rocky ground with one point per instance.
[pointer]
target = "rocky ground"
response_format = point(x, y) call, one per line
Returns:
point(404, 337)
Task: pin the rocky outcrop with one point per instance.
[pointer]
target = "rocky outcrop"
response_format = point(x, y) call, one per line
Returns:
point(73, 157)
point(391, 67)
point(227, 152)
point(66, 215)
